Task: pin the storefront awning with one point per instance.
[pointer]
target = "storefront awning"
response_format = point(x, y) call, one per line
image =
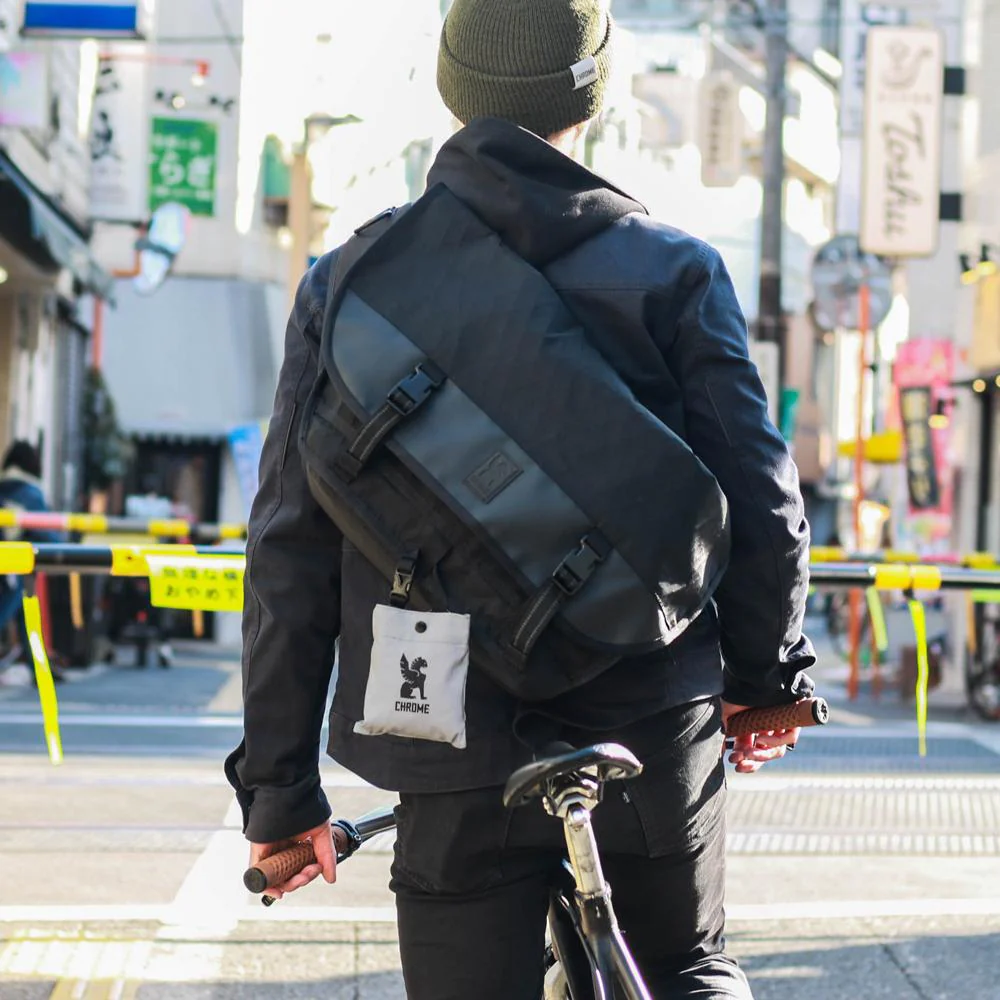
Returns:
point(56, 237)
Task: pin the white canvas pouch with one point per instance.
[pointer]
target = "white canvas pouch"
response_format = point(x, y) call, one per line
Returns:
point(416, 684)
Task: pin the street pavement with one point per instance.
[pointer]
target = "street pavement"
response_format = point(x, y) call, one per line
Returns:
point(857, 869)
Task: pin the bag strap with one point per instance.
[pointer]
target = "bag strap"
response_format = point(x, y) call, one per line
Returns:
point(568, 579)
point(402, 402)
point(409, 394)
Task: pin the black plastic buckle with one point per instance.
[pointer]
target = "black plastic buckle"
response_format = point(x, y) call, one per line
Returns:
point(414, 390)
point(354, 840)
point(577, 568)
point(402, 582)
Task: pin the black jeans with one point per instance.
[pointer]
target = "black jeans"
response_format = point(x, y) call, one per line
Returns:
point(472, 880)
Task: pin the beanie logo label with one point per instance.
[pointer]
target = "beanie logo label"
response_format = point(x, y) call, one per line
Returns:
point(584, 73)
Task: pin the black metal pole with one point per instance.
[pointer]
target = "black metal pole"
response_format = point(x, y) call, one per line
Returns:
point(770, 319)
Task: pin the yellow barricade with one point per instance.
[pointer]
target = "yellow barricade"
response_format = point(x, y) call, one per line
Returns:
point(131, 560)
point(43, 675)
point(17, 558)
point(196, 583)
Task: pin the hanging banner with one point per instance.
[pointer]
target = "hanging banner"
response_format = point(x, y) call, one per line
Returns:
point(246, 443)
point(922, 375)
point(119, 140)
point(87, 19)
point(182, 164)
point(24, 89)
point(720, 130)
point(984, 354)
point(901, 176)
point(915, 406)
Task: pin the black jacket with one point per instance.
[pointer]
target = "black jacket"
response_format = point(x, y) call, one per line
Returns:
point(661, 308)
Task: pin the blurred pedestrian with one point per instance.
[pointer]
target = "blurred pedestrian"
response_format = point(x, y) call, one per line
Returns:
point(21, 490)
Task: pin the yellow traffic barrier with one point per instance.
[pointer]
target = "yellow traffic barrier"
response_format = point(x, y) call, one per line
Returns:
point(131, 560)
point(17, 558)
point(980, 560)
point(876, 614)
point(919, 616)
point(175, 528)
point(196, 583)
point(87, 524)
point(43, 676)
point(891, 576)
point(925, 578)
point(884, 448)
point(827, 553)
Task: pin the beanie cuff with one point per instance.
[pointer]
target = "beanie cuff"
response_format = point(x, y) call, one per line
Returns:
point(545, 105)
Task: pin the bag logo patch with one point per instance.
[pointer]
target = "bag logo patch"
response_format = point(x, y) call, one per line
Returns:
point(414, 680)
point(493, 477)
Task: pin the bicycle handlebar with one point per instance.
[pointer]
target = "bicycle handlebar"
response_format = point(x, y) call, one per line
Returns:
point(808, 712)
point(282, 866)
point(347, 838)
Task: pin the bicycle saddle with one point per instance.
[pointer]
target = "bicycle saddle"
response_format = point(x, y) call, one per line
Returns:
point(610, 761)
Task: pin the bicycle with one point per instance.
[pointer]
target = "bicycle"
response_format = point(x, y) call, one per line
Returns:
point(587, 957)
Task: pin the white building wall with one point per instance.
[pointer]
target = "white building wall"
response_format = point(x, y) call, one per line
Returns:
point(216, 247)
point(54, 158)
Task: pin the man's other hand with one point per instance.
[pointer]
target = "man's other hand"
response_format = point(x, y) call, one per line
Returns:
point(750, 753)
point(321, 838)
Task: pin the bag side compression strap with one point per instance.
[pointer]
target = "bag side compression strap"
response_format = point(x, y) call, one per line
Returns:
point(403, 400)
point(569, 578)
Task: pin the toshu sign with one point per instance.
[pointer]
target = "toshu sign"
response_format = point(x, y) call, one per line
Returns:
point(86, 19)
point(901, 180)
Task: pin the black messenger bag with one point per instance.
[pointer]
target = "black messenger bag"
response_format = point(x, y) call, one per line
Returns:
point(474, 446)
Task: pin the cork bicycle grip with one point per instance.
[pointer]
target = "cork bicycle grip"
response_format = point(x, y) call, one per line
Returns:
point(280, 867)
point(808, 712)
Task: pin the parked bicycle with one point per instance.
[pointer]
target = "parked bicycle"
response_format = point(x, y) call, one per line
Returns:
point(587, 958)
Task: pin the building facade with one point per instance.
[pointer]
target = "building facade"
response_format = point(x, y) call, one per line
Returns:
point(47, 270)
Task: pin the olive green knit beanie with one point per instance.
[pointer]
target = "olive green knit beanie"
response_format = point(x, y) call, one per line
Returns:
point(541, 64)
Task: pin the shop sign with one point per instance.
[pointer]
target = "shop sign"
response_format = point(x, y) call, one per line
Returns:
point(921, 463)
point(720, 131)
point(183, 161)
point(118, 140)
point(24, 89)
point(87, 19)
point(901, 176)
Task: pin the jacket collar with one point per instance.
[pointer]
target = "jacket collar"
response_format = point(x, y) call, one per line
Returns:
point(540, 202)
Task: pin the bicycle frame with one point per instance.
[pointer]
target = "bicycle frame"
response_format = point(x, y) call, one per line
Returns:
point(583, 928)
point(581, 917)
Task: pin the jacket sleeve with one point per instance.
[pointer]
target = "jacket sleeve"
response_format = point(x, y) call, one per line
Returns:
point(761, 600)
point(291, 616)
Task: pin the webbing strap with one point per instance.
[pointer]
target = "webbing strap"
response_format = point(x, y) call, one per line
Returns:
point(570, 576)
point(402, 402)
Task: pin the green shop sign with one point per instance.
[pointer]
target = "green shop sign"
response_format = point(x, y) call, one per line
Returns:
point(183, 159)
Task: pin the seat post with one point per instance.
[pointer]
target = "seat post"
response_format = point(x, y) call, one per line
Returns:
point(573, 803)
point(583, 854)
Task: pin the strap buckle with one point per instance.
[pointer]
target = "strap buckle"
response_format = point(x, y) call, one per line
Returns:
point(402, 582)
point(578, 567)
point(414, 390)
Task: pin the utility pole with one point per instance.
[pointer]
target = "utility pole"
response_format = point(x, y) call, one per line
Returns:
point(770, 321)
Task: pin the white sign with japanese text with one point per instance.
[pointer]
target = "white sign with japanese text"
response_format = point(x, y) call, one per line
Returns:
point(119, 138)
point(901, 182)
point(720, 130)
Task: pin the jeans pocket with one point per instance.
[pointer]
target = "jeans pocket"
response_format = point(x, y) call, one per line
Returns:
point(680, 795)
